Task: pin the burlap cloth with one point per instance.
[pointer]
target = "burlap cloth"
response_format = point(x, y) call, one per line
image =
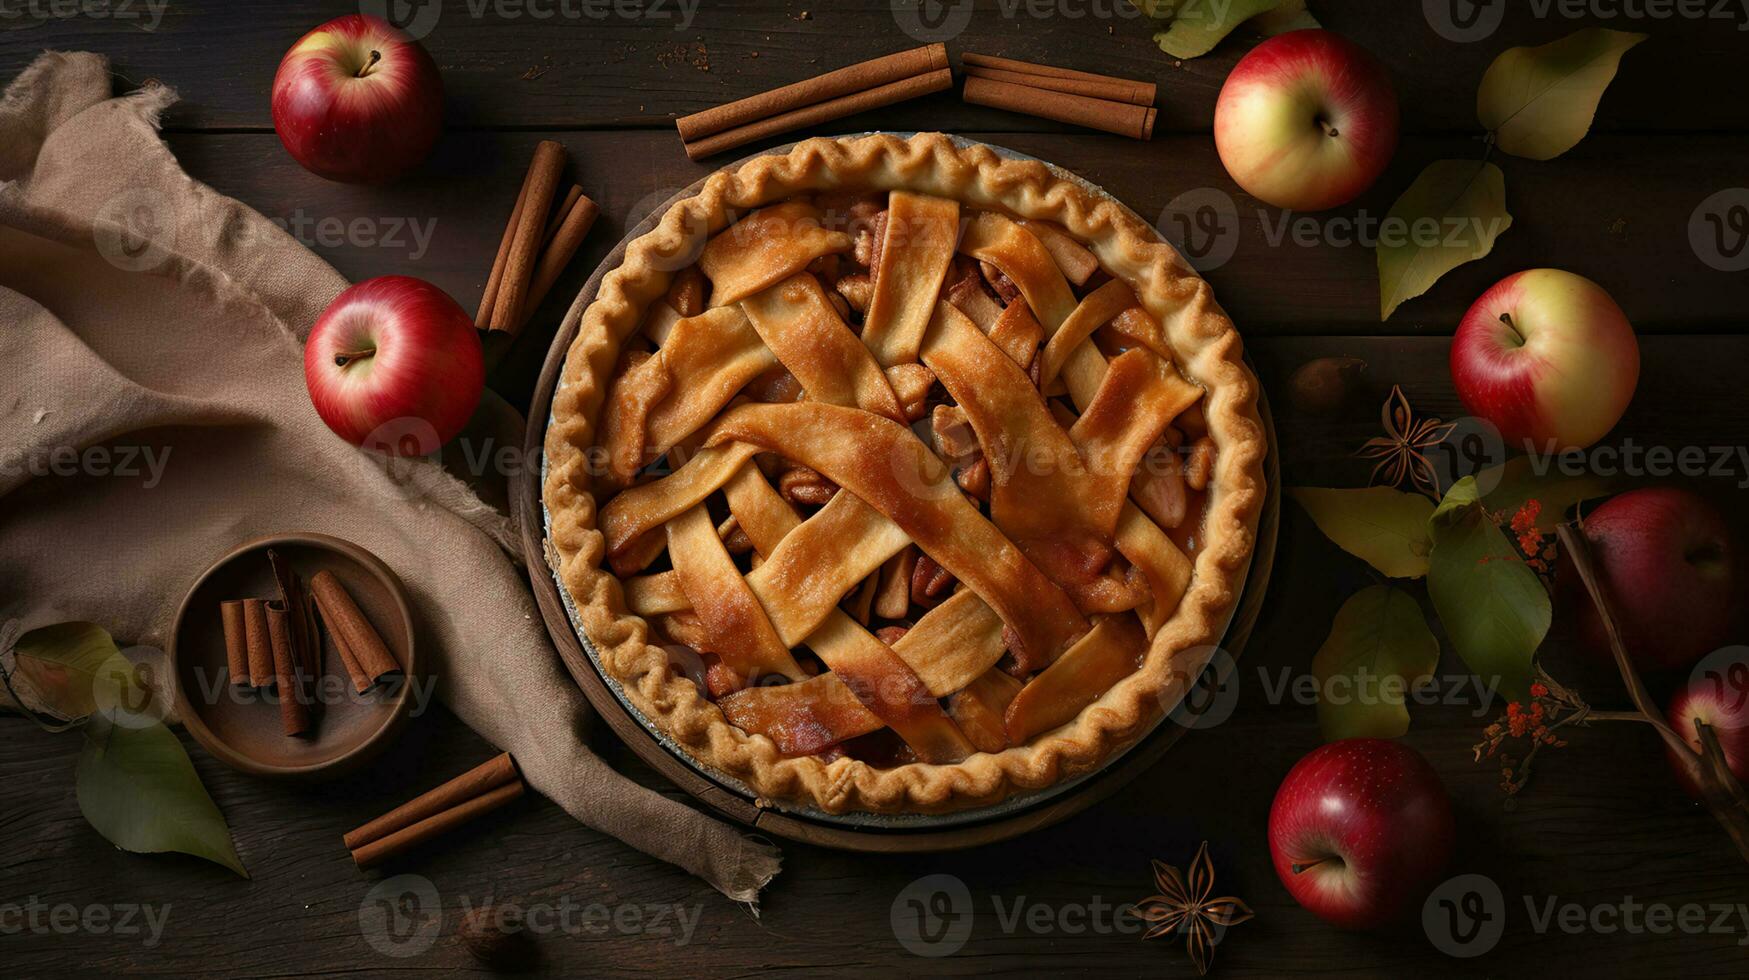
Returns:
point(153, 415)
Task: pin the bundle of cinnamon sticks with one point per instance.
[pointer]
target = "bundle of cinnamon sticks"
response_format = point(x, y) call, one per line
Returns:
point(276, 644)
point(538, 243)
point(834, 95)
point(478, 791)
point(1114, 105)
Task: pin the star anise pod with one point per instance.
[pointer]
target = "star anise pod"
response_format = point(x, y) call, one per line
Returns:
point(1402, 451)
point(1186, 909)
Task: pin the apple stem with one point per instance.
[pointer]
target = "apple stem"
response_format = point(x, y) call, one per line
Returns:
point(375, 56)
point(1297, 868)
point(1506, 318)
point(1329, 130)
point(343, 359)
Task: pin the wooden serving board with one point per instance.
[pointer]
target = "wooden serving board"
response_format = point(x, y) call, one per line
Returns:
point(723, 794)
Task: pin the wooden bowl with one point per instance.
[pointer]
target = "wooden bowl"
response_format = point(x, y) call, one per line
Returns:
point(240, 726)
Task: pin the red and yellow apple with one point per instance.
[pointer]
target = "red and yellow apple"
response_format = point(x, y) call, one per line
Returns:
point(1721, 701)
point(357, 100)
point(1307, 120)
point(394, 365)
point(1360, 830)
point(1548, 358)
point(1665, 560)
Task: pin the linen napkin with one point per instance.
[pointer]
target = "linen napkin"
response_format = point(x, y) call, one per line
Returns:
point(153, 415)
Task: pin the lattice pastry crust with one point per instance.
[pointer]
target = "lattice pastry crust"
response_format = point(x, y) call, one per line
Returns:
point(1061, 642)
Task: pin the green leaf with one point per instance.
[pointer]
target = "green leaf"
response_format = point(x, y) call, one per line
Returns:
point(1449, 216)
point(138, 789)
point(1539, 102)
point(68, 665)
point(1386, 527)
point(1292, 15)
point(1515, 482)
point(1492, 605)
point(1378, 649)
point(1198, 25)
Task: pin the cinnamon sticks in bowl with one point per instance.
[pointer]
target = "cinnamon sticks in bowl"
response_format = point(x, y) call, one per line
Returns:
point(834, 95)
point(537, 245)
point(1113, 105)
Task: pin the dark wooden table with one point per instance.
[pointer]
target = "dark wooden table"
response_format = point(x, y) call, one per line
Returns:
point(1601, 825)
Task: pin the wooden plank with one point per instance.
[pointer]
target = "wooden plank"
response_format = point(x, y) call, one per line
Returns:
point(1600, 824)
point(1288, 274)
point(555, 64)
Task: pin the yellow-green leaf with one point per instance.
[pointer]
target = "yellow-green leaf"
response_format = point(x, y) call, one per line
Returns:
point(1292, 15)
point(1198, 25)
point(67, 666)
point(1449, 216)
point(1491, 604)
point(1539, 102)
point(138, 789)
point(1378, 650)
point(1386, 527)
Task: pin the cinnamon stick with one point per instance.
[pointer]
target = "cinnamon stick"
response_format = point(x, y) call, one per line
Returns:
point(477, 781)
point(810, 115)
point(294, 714)
point(290, 597)
point(1113, 90)
point(495, 280)
point(541, 184)
point(845, 81)
point(1103, 114)
point(402, 841)
point(558, 217)
point(1054, 78)
point(236, 641)
point(361, 682)
point(259, 642)
point(347, 622)
point(572, 229)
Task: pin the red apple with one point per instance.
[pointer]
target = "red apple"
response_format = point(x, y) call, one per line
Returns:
point(1307, 120)
point(357, 100)
point(1548, 358)
point(1665, 559)
point(1721, 700)
point(394, 365)
point(1359, 831)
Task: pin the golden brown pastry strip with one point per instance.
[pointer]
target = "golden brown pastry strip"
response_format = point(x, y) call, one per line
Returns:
point(1073, 258)
point(643, 508)
point(915, 253)
point(978, 709)
point(816, 564)
point(1166, 568)
point(802, 718)
point(1022, 258)
point(1094, 311)
point(884, 464)
point(735, 626)
point(764, 248)
point(710, 358)
point(1138, 397)
point(953, 643)
point(1111, 651)
point(799, 325)
point(888, 687)
point(643, 383)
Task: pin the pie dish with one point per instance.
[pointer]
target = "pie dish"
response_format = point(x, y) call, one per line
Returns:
point(891, 475)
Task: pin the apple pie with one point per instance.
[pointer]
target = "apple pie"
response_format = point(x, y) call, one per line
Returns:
point(895, 475)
